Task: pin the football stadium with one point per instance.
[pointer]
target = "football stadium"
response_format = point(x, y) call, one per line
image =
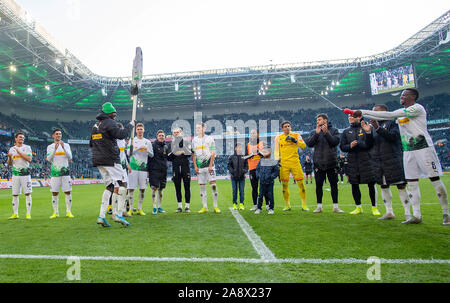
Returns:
point(239, 180)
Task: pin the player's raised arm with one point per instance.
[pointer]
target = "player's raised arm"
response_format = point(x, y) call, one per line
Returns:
point(27, 157)
point(402, 112)
point(68, 151)
point(50, 153)
point(300, 142)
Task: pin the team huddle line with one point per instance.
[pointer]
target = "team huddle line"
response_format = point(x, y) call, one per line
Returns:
point(391, 148)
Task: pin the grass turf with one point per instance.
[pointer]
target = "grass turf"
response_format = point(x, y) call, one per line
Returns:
point(294, 234)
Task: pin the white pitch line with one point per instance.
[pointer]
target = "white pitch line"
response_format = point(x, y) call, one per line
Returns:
point(232, 260)
point(258, 244)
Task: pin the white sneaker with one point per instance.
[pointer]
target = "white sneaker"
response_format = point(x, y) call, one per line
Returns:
point(270, 212)
point(318, 210)
point(267, 207)
point(387, 216)
point(338, 210)
point(254, 208)
point(257, 212)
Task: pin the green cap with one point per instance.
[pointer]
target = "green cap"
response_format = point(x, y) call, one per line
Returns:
point(108, 108)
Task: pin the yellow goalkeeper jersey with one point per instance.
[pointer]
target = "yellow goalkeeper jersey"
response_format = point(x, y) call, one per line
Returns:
point(287, 151)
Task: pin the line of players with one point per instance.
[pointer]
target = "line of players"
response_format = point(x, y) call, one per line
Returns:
point(122, 178)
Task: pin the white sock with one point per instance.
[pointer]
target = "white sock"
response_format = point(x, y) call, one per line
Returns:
point(441, 192)
point(414, 195)
point(180, 204)
point(114, 207)
point(68, 203)
point(154, 197)
point(203, 196)
point(386, 195)
point(320, 205)
point(29, 202)
point(214, 194)
point(55, 204)
point(105, 201)
point(141, 199)
point(15, 204)
point(335, 205)
point(160, 196)
point(186, 205)
point(404, 198)
point(121, 201)
point(376, 196)
point(131, 199)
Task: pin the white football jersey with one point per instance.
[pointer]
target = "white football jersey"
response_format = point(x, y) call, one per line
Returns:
point(138, 160)
point(203, 147)
point(20, 167)
point(59, 159)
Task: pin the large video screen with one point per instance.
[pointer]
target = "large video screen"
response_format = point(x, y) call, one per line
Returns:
point(391, 80)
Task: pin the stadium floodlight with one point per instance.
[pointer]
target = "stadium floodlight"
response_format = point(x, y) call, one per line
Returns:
point(58, 61)
point(12, 68)
point(337, 83)
point(268, 82)
point(12, 92)
point(30, 90)
point(104, 93)
point(47, 87)
point(292, 78)
point(332, 83)
point(176, 86)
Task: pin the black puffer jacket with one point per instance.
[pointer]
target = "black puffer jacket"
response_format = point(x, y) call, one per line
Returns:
point(103, 142)
point(158, 163)
point(360, 168)
point(387, 153)
point(325, 151)
point(237, 166)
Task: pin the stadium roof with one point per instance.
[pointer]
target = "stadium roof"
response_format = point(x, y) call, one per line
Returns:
point(36, 71)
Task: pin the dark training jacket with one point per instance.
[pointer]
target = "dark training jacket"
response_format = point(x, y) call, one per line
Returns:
point(387, 153)
point(360, 168)
point(237, 166)
point(325, 148)
point(103, 142)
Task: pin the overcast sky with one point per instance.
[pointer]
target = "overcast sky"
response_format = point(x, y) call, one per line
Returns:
point(177, 35)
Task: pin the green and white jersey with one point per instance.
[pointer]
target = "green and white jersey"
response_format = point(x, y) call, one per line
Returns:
point(202, 148)
point(123, 157)
point(59, 159)
point(412, 123)
point(138, 160)
point(20, 166)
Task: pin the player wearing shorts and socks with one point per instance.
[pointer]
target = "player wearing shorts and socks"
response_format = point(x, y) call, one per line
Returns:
point(126, 169)
point(419, 156)
point(59, 155)
point(203, 158)
point(142, 149)
point(106, 157)
point(19, 157)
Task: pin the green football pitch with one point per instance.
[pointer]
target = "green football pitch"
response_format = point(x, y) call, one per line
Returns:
point(233, 246)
